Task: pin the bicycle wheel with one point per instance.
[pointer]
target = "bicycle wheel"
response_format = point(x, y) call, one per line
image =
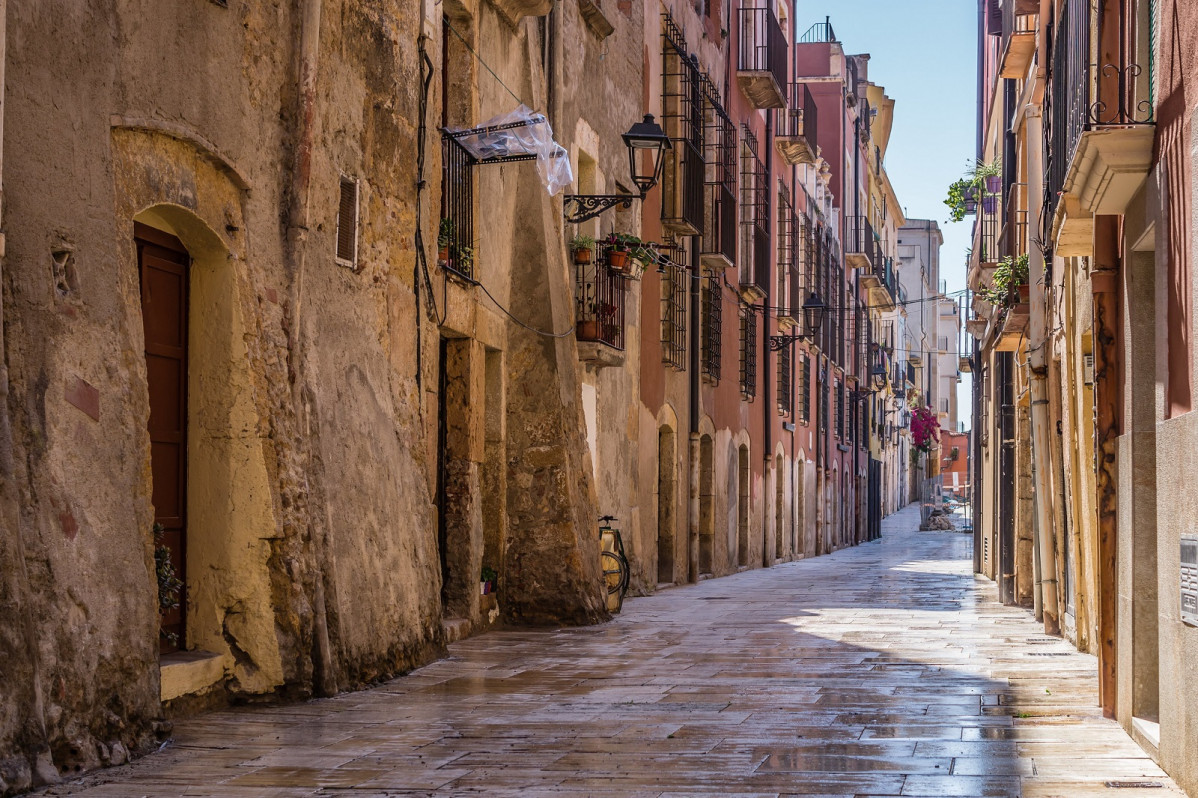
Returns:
point(615, 576)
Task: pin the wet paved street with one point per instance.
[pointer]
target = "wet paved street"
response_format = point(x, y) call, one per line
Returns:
point(881, 670)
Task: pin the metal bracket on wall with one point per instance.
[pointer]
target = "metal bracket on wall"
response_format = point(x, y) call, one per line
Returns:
point(588, 206)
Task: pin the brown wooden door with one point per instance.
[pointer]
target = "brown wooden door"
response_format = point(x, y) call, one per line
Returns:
point(164, 263)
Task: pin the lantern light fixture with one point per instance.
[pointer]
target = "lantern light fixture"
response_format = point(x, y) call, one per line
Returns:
point(647, 144)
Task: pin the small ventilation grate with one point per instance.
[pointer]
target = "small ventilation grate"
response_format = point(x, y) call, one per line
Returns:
point(714, 598)
point(1049, 653)
point(1133, 785)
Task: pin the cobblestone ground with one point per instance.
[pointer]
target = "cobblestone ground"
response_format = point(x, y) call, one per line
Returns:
point(887, 669)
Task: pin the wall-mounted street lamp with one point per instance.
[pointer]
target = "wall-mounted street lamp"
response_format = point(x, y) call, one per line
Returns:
point(647, 144)
point(878, 375)
point(813, 317)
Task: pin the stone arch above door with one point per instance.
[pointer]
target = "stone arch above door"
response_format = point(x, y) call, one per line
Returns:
point(165, 182)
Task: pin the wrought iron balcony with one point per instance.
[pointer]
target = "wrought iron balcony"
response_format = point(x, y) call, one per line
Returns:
point(881, 282)
point(1013, 239)
point(599, 295)
point(795, 127)
point(761, 65)
point(859, 243)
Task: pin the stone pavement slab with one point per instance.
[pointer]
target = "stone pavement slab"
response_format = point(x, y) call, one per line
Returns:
point(882, 670)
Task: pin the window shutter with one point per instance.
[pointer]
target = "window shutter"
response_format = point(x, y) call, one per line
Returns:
point(347, 222)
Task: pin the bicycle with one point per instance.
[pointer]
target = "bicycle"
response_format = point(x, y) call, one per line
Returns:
point(616, 573)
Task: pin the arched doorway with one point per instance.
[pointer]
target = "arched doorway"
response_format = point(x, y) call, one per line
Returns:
point(666, 504)
point(164, 267)
point(706, 503)
point(780, 507)
point(742, 506)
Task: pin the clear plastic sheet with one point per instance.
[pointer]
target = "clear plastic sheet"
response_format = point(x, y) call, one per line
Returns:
point(520, 132)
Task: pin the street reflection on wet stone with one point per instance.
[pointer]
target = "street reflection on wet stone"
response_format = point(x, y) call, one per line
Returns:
point(802, 679)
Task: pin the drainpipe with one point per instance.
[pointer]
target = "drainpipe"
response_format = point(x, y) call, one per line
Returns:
point(297, 234)
point(1046, 544)
point(766, 410)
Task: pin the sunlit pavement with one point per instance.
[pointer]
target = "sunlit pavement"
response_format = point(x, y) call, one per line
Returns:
point(886, 669)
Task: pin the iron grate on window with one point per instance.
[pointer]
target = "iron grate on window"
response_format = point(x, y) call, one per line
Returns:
point(748, 352)
point(787, 235)
point(713, 322)
point(455, 239)
point(754, 214)
point(719, 157)
point(805, 389)
point(673, 309)
point(785, 382)
point(682, 97)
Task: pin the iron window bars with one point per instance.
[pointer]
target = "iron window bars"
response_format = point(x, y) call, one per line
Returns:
point(719, 155)
point(673, 307)
point(682, 117)
point(788, 224)
point(748, 352)
point(712, 307)
point(785, 383)
point(754, 214)
point(599, 295)
point(457, 190)
point(805, 388)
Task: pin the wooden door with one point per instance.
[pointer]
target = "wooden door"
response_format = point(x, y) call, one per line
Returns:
point(163, 263)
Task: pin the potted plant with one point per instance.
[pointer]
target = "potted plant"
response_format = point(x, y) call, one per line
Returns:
point(445, 236)
point(586, 328)
point(170, 586)
point(1009, 284)
point(487, 580)
point(581, 246)
point(983, 180)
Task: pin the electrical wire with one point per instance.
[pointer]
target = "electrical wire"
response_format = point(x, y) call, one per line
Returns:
point(485, 65)
point(528, 327)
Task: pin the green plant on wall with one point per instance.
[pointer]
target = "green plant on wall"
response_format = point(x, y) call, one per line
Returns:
point(971, 188)
point(1008, 276)
point(169, 585)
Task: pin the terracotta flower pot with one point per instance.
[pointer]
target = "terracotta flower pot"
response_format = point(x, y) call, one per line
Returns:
point(582, 256)
point(1025, 293)
point(443, 255)
point(587, 330)
point(618, 261)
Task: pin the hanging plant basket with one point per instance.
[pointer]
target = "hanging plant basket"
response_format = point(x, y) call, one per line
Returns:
point(994, 184)
point(582, 256)
point(617, 260)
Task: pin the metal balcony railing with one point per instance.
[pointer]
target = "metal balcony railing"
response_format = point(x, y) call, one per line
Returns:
point(1068, 94)
point(673, 310)
point(859, 242)
point(599, 295)
point(762, 51)
point(796, 126)
point(819, 33)
point(1014, 233)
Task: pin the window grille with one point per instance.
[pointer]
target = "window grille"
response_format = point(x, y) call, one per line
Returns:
point(748, 352)
point(822, 387)
point(785, 382)
point(456, 236)
point(754, 214)
point(719, 155)
point(787, 234)
point(682, 117)
point(800, 283)
point(673, 308)
point(805, 389)
point(713, 321)
point(840, 410)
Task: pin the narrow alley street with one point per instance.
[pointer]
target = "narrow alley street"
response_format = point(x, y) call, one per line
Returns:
point(800, 679)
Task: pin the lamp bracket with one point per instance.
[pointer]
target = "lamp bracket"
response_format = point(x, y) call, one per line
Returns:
point(780, 342)
point(580, 207)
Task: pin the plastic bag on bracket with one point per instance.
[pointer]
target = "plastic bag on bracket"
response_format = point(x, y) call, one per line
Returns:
point(531, 135)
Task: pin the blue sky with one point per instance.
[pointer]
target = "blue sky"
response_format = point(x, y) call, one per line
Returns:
point(924, 52)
